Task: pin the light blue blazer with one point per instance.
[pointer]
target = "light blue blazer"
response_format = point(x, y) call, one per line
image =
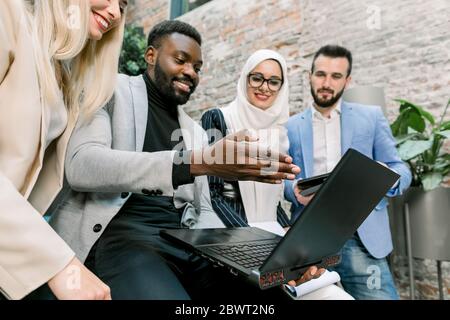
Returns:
point(365, 129)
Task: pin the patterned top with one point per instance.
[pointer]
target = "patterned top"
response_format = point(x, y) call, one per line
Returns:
point(229, 209)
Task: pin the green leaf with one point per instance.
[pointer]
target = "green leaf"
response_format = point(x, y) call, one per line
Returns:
point(394, 128)
point(441, 166)
point(400, 139)
point(411, 131)
point(445, 134)
point(404, 126)
point(427, 116)
point(399, 127)
point(405, 105)
point(445, 126)
point(431, 180)
point(411, 149)
point(416, 122)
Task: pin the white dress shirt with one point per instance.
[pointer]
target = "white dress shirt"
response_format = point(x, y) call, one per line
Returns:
point(326, 140)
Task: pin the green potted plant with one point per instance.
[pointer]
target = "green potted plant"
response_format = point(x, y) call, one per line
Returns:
point(420, 142)
point(134, 45)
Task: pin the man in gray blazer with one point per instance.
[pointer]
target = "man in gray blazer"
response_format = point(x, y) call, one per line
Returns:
point(131, 175)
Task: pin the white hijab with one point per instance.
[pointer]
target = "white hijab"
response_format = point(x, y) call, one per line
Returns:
point(261, 199)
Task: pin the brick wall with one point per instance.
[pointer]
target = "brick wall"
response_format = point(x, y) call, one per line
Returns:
point(147, 13)
point(231, 31)
point(406, 51)
point(402, 46)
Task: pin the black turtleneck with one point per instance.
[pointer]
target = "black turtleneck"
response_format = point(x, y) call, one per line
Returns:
point(154, 208)
point(162, 121)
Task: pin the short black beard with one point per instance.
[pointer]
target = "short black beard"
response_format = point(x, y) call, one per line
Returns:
point(328, 103)
point(166, 88)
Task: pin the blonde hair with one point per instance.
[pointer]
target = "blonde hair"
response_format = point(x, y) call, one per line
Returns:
point(95, 70)
point(85, 69)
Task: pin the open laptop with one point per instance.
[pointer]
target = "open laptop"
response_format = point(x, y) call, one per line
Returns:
point(343, 202)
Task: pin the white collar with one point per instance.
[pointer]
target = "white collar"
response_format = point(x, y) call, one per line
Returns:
point(336, 111)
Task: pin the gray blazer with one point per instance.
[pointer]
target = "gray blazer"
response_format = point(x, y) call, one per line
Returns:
point(105, 164)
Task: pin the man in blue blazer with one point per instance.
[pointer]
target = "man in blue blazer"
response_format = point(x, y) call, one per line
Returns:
point(318, 137)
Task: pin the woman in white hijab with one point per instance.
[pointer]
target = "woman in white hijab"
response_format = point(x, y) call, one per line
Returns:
point(261, 105)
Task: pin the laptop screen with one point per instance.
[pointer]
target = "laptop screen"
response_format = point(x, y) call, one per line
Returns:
point(345, 200)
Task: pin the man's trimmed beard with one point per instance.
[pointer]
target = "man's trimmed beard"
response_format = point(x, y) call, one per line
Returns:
point(326, 103)
point(166, 88)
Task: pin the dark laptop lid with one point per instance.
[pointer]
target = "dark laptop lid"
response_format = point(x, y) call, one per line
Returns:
point(345, 200)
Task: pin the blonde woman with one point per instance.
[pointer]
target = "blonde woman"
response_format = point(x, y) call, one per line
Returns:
point(57, 62)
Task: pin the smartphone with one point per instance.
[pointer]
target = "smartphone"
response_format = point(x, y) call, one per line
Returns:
point(311, 185)
point(310, 191)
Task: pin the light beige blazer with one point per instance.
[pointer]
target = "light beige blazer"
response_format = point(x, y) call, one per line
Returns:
point(31, 252)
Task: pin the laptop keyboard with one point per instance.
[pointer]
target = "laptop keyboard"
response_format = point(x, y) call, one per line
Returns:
point(247, 255)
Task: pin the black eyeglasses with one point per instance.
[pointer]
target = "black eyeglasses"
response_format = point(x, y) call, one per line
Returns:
point(256, 80)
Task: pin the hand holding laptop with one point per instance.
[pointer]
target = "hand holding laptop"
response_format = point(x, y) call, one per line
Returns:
point(304, 200)
point(311, 273)
point(276, 228)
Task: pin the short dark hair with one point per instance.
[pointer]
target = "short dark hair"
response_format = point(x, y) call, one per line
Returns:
point(334, 51)
point(167, 27)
